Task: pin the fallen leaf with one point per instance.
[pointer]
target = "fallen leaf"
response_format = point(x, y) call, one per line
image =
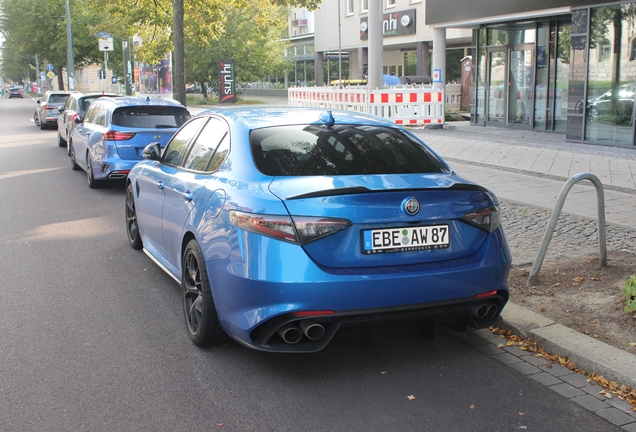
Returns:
point(579, 279)
point(632, 344)
point(383, 372)
point(472, 406)
point(520, 413)
point(596, 279)
point(593, 321)
point(557, 284)
point(411, 397)
point(542, 310)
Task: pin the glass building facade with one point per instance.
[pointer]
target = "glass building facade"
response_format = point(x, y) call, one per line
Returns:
point(572, 74)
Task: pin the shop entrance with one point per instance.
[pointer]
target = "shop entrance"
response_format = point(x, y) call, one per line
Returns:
point(510, 86)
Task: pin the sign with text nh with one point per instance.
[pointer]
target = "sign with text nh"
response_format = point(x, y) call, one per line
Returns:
point(227, 74)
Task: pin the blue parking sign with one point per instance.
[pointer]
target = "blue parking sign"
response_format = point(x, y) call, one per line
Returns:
point(49, 67)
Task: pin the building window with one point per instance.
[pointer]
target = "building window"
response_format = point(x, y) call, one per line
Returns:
point(350, 7)
point(390, 3)
point(604, 50)
point(632, 50)
point(364, 6)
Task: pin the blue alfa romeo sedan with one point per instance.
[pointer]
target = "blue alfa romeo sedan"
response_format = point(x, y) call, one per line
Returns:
point(288, 226)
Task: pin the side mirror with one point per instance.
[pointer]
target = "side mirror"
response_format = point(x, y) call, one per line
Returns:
point(60, 109)
point(78, 119)
point(152, 151)
point(37, 101)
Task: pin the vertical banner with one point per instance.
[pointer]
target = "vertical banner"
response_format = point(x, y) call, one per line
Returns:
point(227, 90)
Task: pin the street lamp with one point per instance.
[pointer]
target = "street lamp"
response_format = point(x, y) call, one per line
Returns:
point(70, 64)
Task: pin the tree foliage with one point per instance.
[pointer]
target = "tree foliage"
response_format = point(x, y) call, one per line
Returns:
point(251, 36)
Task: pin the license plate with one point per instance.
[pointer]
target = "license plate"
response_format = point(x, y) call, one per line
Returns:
point(405, 239)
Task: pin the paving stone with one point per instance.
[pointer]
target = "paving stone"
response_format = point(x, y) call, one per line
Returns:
point(526, 368)
point(576, 379)
point(546, 379)
point(556, 370)
point(631, 427)
point(507, 358)
point(622, 405)
point(537, 361)
point(567, 390)
point(615, 416)
point(590, 402)
point(593, 390)
point(488, 349)
point(485, 334)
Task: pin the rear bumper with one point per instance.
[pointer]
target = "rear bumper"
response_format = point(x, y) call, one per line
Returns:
point(251, 305)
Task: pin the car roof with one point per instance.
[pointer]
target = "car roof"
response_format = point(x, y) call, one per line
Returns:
point(125, 101)
point(256, 118)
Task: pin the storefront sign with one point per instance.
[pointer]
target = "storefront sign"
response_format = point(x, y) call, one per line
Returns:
point(227, 74)
point(398, 23)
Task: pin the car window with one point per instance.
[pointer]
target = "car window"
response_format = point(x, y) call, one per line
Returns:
point(340, 150)
point(220, 154)
point(90, 114)
point(178, 145)
point(205, 145)
point(58, 98)
point(147, 117)
point(100, 115)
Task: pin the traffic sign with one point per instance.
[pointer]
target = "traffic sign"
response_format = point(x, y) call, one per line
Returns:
point(49, 67)
point(50, 74)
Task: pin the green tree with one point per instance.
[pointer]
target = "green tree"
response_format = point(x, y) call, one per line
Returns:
point(251, 36)
point(33, 27)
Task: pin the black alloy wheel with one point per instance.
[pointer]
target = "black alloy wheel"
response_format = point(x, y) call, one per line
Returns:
point(200, 314)
point(36, 120)
point(132, 225)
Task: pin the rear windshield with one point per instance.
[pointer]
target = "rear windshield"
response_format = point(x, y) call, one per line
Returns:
point(58, 98)
point(145, 117)
point(309, 150)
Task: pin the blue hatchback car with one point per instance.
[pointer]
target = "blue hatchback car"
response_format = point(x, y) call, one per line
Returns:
point(287, 226)
point(110, 138)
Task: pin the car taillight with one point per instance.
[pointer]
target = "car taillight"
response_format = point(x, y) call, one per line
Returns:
point(297, 230)
point(487, 219)
point(118, 136)
point(49, 107)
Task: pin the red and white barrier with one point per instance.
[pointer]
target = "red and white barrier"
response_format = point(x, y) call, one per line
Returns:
point(404, 106)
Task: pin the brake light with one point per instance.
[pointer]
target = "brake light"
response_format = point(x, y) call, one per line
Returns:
point(487, 219)
point(49, 107)
point(305, 314)
point(299, 230)
point(487, 294)
point(118, 136)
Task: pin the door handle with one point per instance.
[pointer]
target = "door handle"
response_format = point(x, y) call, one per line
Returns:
point(186, 196)
point(160, 185)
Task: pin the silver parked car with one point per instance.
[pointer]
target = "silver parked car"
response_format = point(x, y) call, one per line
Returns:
point(46, 113)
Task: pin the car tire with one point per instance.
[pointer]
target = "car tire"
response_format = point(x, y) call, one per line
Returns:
point(90, 177)
point(36, 120)
point(132, 224)
point(198, 306)
point(43, 125)
point(60, 141)
point(71, 150)
point(68, 144)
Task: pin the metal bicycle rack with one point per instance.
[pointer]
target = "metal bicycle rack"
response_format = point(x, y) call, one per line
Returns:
point(602, 241)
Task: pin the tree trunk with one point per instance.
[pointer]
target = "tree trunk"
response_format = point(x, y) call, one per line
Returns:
point(178, 75)
point(60, 78)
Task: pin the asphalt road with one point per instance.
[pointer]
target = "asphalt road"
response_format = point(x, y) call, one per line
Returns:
point(92, 336)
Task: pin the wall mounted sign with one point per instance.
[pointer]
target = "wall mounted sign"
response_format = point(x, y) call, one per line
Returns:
point(398, 23)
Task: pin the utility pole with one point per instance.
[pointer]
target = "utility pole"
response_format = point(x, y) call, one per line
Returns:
point(375, 44)
point(127, 66)
point(70, 63)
